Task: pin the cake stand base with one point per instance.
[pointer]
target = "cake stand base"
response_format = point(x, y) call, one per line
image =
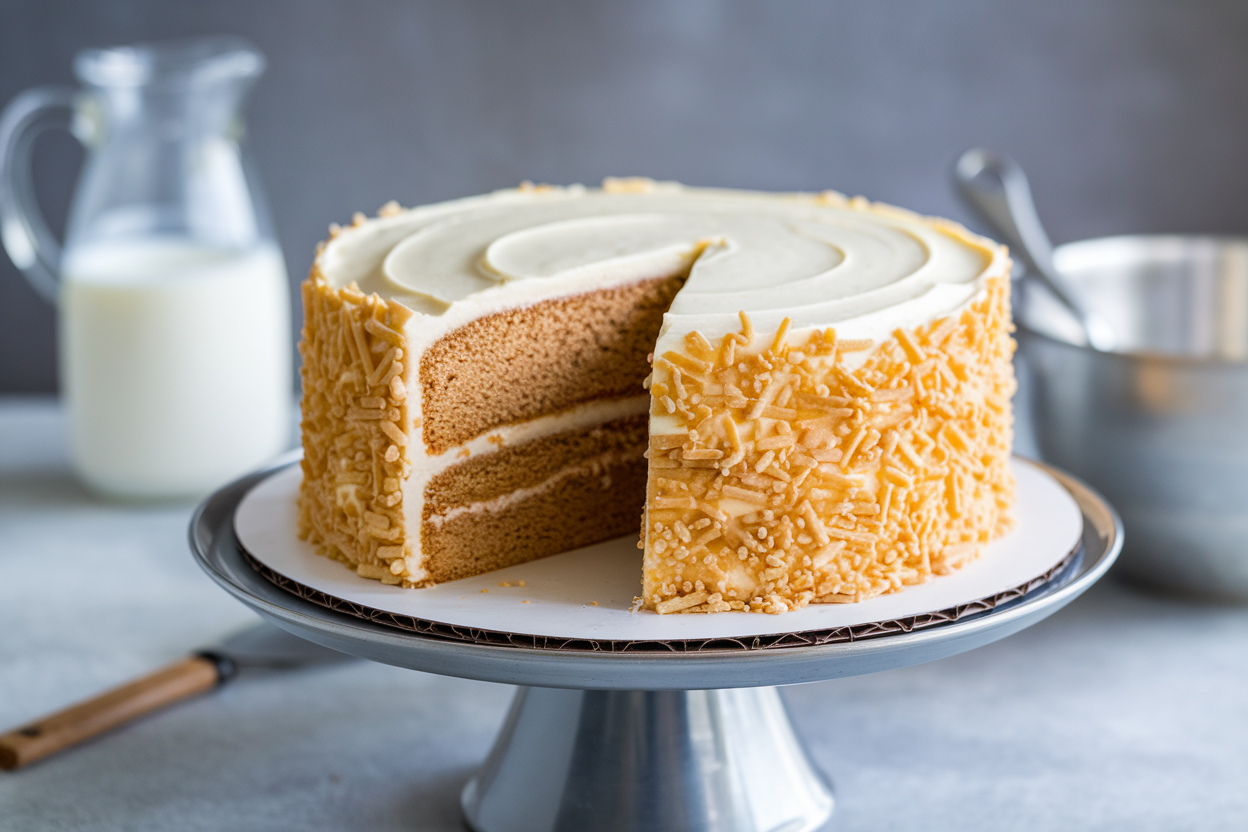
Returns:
point(630, 760)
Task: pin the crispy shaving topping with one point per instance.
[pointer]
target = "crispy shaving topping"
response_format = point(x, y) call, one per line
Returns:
point(354, 437)
point(796, 479)
point(627, 185)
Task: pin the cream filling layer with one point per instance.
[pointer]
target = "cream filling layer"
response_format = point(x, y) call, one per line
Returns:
point(425, 467)
point(577, 418)
point(594, 466)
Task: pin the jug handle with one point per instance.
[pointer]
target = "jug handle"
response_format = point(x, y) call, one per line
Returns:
point(30, 243)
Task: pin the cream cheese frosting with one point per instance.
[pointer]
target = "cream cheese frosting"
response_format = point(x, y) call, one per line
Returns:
point(819, 260)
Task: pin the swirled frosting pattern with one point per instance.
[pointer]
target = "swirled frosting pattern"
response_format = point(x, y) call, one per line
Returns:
point(819, 260)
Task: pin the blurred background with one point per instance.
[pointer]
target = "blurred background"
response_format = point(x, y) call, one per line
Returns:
point(1128, 115)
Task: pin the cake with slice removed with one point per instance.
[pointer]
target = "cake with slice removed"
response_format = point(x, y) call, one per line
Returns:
point(828, 409)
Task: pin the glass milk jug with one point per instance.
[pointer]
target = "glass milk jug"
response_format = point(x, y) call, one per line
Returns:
point(174, 310)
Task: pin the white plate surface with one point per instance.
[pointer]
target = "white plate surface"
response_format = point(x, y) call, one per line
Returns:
point(560, 591)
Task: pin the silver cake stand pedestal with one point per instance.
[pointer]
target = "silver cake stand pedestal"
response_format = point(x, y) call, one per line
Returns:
point(650, 741)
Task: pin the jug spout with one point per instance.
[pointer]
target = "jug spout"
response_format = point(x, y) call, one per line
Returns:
point(197, 61)
point(176, 91)
point(163, 125)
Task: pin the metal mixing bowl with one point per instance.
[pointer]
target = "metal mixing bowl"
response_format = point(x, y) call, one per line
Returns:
point(1160, 425)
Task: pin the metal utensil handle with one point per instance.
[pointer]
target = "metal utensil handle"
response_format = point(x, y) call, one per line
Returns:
point(995, 186)
point(30, 243)
point(76, 723)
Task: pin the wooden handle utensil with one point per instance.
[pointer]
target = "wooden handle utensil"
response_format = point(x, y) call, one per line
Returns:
point(178, 681)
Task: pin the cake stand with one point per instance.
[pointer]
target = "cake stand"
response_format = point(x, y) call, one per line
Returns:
point(645, 740)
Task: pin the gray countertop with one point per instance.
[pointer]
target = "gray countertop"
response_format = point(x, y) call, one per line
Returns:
point(1124, 710)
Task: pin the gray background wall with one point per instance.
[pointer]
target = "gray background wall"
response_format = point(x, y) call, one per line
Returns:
point(1129, 115)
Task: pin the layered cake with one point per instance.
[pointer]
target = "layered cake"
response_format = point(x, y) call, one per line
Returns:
point(803, 398)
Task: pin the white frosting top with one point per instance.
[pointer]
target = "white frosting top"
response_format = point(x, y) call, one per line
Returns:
point(820, 260)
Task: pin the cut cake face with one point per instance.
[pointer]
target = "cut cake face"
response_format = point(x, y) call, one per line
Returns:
point(828, 409)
